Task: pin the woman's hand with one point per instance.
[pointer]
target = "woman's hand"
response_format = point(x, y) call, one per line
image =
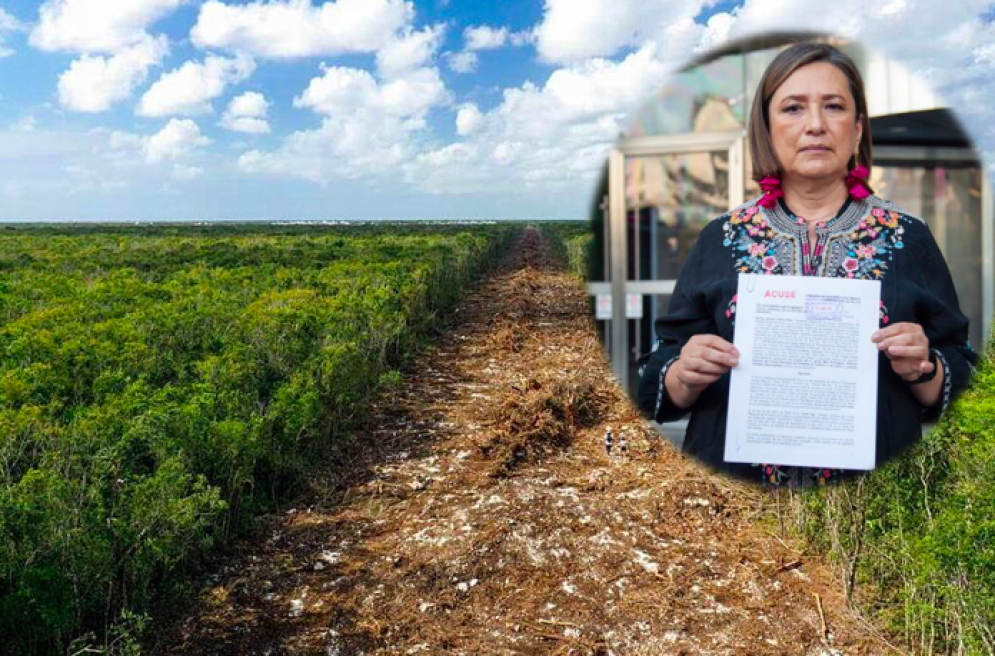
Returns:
point(907, 347)
point(704, 359)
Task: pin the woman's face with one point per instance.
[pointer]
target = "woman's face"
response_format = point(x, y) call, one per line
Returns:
point(813, 123)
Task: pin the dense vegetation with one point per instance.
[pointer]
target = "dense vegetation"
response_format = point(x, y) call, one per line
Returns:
point(916, 539)
point(159, 384)
point(572, 242)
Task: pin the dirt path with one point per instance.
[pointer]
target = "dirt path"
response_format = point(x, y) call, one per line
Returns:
point(484, 517)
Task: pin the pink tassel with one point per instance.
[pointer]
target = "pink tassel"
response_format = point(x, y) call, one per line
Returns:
point(771, 186)
point(855, 182)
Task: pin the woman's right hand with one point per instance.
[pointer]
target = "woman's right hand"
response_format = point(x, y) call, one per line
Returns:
point(704, 359)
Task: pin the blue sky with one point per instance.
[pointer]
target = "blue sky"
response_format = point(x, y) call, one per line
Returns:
point(291, 109)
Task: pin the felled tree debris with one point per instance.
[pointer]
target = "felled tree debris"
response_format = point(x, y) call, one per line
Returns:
point(491, 521)
point(535, 420)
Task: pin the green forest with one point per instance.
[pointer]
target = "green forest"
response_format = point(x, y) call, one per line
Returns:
point(161, 384)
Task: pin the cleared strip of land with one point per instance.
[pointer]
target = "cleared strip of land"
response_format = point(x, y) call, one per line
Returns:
point(478, 513)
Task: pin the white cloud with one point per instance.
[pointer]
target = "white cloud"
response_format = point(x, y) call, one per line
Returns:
point(42, 167)
point(116, 49)
point(79, 174)
point(574, 30)
point(410, 51)
point(251, 103)
point(484, 37)
point(177, 139)
point(247, 113)
point(8, 24)
point(342, 91)
point(186, 172)
point(599, 86)
point(25, 124)
point(522, 38)
point(93, 26)
point(344, 147)
point(539, 137)
point(246, 124)
point(717, 29)
point(297, 28)
point(148, 158)
point(468, 119)
point(93, 83)
point(457, 153)
point(338, 89)
point(551, 137)
point(190, 88)
point(369, 128)
point(461, 62)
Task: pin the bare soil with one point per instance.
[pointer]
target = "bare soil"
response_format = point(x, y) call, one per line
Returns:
point(480, 514)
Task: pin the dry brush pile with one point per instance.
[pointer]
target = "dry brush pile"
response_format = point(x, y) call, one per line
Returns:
point(482, 516)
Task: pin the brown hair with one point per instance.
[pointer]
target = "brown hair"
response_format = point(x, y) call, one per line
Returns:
point(765, 161)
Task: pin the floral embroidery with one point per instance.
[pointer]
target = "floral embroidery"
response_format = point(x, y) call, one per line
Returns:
point(871, 244)
point(858, 243)
point(731, 308)
point(661, 392)
point(946, 380)
point(782, 475)
point(773, 474)
point(825, 476)
point(883, 314)
point(749, 235)
point(865, 252)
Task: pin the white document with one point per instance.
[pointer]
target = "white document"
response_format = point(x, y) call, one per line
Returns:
point(805, 389)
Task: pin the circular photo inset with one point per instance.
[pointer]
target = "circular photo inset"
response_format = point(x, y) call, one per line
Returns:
point(788, 260)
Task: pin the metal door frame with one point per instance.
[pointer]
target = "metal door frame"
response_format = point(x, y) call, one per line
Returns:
point(618, 283)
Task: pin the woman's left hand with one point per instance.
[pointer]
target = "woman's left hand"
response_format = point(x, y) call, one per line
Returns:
point(907, 347)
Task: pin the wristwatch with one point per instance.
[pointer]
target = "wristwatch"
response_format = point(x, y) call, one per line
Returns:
point(925, 378)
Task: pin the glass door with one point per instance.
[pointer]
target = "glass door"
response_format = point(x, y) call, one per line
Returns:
point(662, 193)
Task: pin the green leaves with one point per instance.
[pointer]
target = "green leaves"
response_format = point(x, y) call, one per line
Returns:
point(154, 381)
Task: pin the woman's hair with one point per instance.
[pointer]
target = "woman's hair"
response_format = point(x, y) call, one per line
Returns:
point(786, 62)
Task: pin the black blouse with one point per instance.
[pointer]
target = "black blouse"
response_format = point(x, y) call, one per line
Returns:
point(867, 239)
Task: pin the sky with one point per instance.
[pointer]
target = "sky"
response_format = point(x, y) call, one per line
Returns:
point(386, 109)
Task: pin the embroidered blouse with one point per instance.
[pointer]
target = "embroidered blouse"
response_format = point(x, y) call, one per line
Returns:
point(867, 239)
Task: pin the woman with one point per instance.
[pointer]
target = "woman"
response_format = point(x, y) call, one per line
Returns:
point(810, 142)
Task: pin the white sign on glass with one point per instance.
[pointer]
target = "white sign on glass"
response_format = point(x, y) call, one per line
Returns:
point(603, 306)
